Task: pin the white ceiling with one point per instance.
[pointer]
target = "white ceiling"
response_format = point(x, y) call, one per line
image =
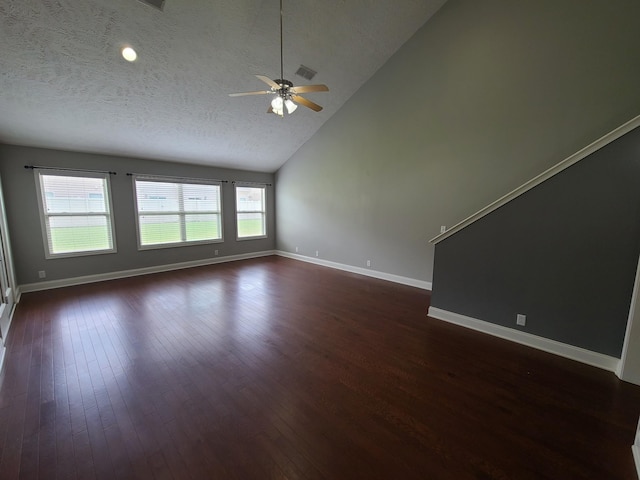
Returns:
point(64, 85)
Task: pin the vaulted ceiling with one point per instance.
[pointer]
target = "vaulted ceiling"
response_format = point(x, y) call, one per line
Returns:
point(65, 85)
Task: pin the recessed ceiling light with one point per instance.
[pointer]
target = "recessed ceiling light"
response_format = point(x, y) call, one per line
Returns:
point(129, 54)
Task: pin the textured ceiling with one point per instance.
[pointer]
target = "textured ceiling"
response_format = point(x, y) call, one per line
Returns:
point(64, 85)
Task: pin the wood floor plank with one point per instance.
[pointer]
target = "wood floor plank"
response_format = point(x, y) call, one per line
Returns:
point(273, 368)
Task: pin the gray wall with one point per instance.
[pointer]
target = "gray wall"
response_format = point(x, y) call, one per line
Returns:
point(24, 220)
point(483, 98)
point(564, 254)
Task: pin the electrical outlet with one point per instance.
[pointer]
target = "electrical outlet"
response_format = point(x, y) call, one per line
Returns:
point(215, 252)
point(443, 228)
point(296, 249)
point(42, 274)
point(368, 263)
point(317, 253)
point(521, 319)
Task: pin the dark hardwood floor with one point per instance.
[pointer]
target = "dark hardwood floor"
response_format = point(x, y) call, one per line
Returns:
point(278, 369)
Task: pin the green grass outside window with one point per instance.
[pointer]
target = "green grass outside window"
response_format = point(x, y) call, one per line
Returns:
point(78, 239)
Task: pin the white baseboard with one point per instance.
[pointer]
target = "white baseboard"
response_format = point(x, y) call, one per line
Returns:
point(67, 282)
point(551, 346)
point(412, 282)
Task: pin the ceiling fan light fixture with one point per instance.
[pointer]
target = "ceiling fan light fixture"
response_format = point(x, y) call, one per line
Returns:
point(277, 105)
point(277, 102)
point(291, 106)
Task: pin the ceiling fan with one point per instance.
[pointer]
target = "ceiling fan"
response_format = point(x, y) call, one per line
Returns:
point(286, 95)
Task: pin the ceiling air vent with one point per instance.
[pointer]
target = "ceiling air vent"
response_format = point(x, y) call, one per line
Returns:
point(306, 72)
point(159, 4)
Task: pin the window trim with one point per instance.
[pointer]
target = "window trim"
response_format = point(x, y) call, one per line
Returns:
point(45, 215)
point(182, 213)
point(263, 212)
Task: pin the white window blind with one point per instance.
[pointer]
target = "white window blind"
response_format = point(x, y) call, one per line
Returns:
point(75, 210)
point(251, 213)
point(177, 212)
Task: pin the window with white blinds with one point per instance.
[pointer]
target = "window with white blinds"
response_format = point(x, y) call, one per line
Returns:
point(177, 212)
point(251, 211)
point(75, 211)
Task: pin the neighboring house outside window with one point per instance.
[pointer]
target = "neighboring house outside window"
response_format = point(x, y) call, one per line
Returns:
point(75, 213)
point(251, 211)
point(177, 212)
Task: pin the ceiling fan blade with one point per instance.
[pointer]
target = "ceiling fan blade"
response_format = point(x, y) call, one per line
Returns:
point(309, 88)
point(263, 92)
point(268, 81)
point(307, 103)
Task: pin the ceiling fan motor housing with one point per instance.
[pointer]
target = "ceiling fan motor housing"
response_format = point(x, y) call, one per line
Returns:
point(284, 84)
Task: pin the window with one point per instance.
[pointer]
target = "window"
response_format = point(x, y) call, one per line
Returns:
point(251, 214)
point(177, 212)
point(75, 211)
